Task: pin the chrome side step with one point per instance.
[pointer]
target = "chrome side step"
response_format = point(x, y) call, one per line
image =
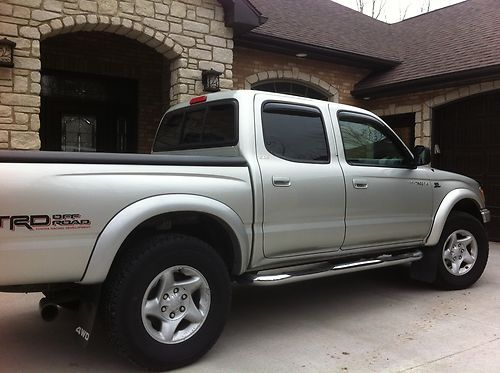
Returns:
point(271, 277)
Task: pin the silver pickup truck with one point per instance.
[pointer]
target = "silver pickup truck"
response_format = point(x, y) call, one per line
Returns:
point(243, 187)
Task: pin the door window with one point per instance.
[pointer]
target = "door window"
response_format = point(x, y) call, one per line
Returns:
point(369, 142)
point(78, 133)
point(295, 133)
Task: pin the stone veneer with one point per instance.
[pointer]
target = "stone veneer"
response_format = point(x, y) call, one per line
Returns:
point(190, 33)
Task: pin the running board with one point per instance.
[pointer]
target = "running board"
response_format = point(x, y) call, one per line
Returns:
point(272, 277)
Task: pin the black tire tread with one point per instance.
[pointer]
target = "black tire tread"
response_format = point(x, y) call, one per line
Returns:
point(121, 272)
point(446, 281)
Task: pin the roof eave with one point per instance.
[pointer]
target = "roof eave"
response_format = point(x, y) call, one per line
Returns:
point(279, 45)
point(241, 15)
point(429, 83)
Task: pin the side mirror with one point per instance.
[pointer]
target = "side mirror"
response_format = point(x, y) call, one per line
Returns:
point(422, 155)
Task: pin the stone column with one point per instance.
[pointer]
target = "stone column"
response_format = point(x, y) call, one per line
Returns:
point(20, 86)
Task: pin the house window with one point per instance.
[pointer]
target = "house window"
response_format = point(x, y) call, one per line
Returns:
point(290, 88)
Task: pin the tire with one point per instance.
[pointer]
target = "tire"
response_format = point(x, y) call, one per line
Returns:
point(462, 252)
point(166, 301)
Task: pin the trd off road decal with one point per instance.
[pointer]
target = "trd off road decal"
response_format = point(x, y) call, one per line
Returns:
point(44, 222)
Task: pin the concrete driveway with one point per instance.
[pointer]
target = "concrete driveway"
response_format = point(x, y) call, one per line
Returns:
point(373, 321)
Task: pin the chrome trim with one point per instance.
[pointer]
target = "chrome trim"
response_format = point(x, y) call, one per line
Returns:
point(486, 215)
point(328, 269)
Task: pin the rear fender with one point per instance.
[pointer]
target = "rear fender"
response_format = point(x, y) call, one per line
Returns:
point(119, 228)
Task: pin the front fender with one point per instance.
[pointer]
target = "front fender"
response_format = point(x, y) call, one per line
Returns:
point(122, 224)
point(447, 204)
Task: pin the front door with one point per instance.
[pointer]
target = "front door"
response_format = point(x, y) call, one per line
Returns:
point(87, 114)
point(388, 202)
point(302, 182)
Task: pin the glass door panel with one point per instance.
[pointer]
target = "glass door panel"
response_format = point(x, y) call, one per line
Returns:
point(78, 133)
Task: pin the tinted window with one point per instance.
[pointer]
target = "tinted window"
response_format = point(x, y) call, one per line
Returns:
point(210, 125)
point(368, 142)
point(295, 133)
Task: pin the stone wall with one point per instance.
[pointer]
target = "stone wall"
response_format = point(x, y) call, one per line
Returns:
point(190, 33)
point(335, 80)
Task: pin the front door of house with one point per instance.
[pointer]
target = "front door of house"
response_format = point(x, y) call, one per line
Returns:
point(88, 114)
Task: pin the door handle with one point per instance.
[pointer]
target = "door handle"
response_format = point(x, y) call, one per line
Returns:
point(279, 181)
point(359, 183)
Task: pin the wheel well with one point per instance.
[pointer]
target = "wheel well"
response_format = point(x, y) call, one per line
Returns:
point(470, 207)
point(205, 227)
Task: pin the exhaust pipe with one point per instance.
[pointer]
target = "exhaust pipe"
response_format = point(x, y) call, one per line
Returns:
point(48, 310)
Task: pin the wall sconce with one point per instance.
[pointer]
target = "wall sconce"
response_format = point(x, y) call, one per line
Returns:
point(211, 81)
point(7, 53)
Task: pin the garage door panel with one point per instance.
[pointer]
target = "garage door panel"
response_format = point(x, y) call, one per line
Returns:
point(468, 135)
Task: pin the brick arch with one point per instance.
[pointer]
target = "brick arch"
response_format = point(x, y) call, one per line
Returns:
point(157, 40)
point(294, 75)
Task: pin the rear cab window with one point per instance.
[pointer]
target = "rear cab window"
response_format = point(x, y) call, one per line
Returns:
point(209, 125)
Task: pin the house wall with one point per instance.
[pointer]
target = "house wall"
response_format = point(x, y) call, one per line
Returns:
point(335, 80)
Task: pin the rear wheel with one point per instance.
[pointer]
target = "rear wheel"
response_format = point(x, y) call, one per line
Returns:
point(462, 252)
point(166, 301)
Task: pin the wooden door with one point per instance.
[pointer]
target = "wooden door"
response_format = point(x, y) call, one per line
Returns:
point(467, 141)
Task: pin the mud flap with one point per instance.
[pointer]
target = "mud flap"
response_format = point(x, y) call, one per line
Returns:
point(425, 270)
point(87, 312)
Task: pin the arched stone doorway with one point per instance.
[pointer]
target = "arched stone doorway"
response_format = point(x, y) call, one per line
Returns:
point(101, 92)
point(192, 36)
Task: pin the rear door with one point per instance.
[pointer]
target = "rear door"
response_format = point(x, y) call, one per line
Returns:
point(388, 201)
point(303, 185)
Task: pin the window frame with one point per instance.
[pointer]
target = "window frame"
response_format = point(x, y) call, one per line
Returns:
point(201, 107)
point(308, 108)
point(400, 145)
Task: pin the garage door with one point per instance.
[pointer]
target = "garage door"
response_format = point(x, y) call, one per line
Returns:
point(467, 136)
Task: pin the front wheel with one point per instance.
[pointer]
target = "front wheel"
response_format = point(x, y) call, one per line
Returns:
point(166, 301)
point(462, 252)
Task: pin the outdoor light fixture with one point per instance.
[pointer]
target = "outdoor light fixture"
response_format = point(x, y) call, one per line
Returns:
point(210, 80)
point(7, 53)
